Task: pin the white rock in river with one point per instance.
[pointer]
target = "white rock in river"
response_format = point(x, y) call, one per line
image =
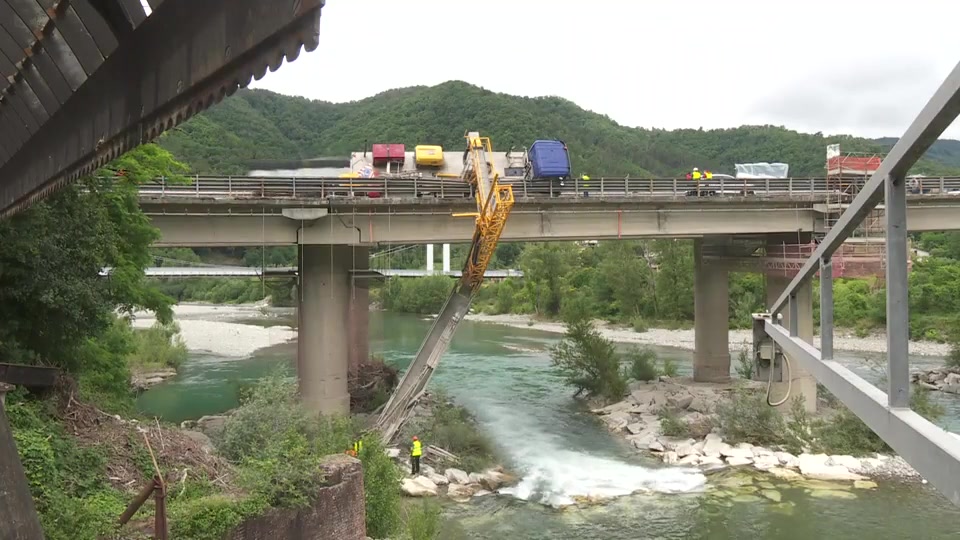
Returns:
point(685, 450)
point(709, 461)
point(456, 476)
point(849, 462)
point(438, 479)
point(713, 447)
point(418, 487)
point(765, 462)
point(656, 446)
point(635, 428)
point(787, 459)
point(670, 457)
point(690, 459)
point(815, 466)
point(460, 493)
point(785, 474)
point(736, 461)
point(737, 452)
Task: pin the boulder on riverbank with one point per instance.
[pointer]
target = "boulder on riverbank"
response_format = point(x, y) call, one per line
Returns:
point(140, 382)
point(683, 406)
point(944, 379)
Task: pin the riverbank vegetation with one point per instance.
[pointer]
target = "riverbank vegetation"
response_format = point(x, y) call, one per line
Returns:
point(441, 422)
point(590, 363)
point(84, 452)
point(646, 284)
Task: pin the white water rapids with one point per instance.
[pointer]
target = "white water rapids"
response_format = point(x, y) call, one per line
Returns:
point(554, 472)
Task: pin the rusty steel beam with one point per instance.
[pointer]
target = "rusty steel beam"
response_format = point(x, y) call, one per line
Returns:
point(183, 58)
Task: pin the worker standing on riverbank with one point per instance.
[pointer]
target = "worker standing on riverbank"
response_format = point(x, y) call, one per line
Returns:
point(416, 450)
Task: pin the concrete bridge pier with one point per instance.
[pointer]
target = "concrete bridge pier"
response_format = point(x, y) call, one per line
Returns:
point(800, 381)
point(359, 323)
point(711, 357)
point(324, 341)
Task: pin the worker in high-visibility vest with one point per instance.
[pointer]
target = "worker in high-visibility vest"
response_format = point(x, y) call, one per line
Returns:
point(696, 176)
point(585, 184)
point(416, 450)
point(358, 446)
point(708, 175)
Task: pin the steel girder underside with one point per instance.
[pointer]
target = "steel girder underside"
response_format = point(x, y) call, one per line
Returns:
point(86, 80)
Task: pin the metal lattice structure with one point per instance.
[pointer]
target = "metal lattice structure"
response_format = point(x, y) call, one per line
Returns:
point(83, 81)
point(932, 451)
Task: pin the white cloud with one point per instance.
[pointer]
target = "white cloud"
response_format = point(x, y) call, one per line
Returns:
point(852, 66)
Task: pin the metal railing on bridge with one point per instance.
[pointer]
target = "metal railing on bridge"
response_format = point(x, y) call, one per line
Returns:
point(931, 450)
point(210, 271)
point(244, 187)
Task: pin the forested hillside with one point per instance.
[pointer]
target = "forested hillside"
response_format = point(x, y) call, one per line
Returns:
point(257, 124)
point(632, 282)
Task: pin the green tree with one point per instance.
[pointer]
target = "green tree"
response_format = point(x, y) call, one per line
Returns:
point(589, 362)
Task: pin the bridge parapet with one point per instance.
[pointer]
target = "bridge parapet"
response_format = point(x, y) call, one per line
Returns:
point(307, 188)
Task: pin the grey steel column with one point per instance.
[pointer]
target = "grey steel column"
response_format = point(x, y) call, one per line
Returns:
point(826, 308)
point(898, 315)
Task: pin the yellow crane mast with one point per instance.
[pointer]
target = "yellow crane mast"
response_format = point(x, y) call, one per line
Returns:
point(494, 202)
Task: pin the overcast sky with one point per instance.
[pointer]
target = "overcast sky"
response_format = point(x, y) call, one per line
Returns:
point(840, 66)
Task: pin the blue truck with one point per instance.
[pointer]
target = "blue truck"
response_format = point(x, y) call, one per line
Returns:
point(548, 160)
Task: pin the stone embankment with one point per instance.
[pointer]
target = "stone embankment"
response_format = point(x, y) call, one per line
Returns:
point(638, 418)
point(944, 379)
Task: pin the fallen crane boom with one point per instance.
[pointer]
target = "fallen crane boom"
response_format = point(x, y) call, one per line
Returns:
point(494, 202)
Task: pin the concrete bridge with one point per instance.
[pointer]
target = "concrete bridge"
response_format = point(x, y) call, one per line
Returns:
point(195, 272)
point(272, 211)
point(337, 220)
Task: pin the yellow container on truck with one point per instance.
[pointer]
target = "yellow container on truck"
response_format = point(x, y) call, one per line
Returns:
point(429, 155)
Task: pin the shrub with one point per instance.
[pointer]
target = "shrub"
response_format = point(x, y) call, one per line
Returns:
point(744, 364)
point(424, 522)
point(669, 368)
point(454, 429)
point(643, 365)
point(209, 518)
point(159, 345)
point(639, 325)
point(748, 418)
point(271, 407)
point(381, 488)
point(286, 472)
point(589, 362)
point(671, 425)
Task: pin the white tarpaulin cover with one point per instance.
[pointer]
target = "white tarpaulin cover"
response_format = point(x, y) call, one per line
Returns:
point(762, 170)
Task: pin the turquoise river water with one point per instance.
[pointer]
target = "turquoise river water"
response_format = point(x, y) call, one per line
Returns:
point(503, 376)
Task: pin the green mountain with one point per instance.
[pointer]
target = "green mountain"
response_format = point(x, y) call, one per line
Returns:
point(258, 124)
point(945, 151)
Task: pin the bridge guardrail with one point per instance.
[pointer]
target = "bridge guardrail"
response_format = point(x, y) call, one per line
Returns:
point(318, 187)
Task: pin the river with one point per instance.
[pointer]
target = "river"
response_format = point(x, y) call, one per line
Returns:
point(503, 376)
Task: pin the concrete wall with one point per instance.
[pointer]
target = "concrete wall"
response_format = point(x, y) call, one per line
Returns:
point(338, 512)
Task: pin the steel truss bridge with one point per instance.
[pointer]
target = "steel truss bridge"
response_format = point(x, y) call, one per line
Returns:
point(931, 450)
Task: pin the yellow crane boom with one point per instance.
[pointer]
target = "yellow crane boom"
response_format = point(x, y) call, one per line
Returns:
point(494, 203)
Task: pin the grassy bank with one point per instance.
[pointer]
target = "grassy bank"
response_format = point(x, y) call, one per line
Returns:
point(84, 466)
